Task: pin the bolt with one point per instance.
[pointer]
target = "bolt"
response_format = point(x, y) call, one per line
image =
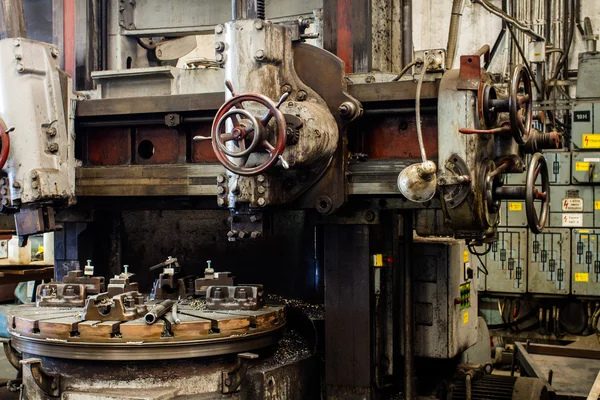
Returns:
point(20, 68)
point(220, 178)
point(290, 104)
point(219, 46)
point(4, 201)
point(220, 58)
point(231, 234)
point(370, 79)
point(16, 185)
point(286, 89)
point(121, 8)
point(254, 218)
point(370, 216)
point(301, 95)
point(261, 189)
point(221, 202)
point(131, 26)
point(159, 52)
point(126, 268)
point(89, 263)
point(51, 131)
point(227, 381)
point(34, 185)
point(260, 55)
point(219, 29)
point(262, 202)
point(53, 147)
point(258, 25)
point(4, 191)
point(220, 190)
point(34, 175)
point(2, 181)
point(255, 235)
point(261, 178)
point(17, 43)
point(242, 234)
point(18, 57)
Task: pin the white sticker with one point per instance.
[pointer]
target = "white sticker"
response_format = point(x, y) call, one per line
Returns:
point(572, 220)
point(591, 159)
point(573, 204)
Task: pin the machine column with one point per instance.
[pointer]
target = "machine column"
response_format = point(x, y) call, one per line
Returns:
point(348, 369)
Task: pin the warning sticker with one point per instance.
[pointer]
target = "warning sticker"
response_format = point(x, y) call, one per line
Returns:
point(466, 256)
point(514, 206)
point(597, 205)
point(378, 260)
point(466, 317)
point(590, 140)
point(586, 159)
point(581, 277)
point(582, 166)
point(572, 204)
point(572, 220)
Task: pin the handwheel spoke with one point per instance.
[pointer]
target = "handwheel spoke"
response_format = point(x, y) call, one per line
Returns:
point(235, 120)
point(540, 195)
point(241, 144)
point(267, 117)
point(226, 137)
point(523, 99)
point(269, 147)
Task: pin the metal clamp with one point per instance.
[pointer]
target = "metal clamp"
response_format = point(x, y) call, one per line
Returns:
point(233, 379)
point(49, 384)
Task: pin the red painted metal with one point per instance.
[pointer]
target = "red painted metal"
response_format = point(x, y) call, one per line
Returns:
point(168, 145)
point(344, 29)
point(396, 137)
point(108, 146)
point(69, 36)
point(5, 140)
point(202, 152)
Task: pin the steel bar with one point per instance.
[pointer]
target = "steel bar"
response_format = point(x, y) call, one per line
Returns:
point(158, 311)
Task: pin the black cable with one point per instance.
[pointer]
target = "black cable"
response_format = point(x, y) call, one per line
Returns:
point(527, 66)
point(475, 253)
point(484, 270)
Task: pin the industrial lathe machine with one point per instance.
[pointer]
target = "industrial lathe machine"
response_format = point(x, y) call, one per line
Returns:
point(243, 207)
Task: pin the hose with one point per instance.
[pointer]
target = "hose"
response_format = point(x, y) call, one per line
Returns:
point(508, 19)
point(405, 69)
point(418, 108)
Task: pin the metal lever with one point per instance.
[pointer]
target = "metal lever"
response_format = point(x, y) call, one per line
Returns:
point(201, 138)
point(284, 163)
point(282, 99)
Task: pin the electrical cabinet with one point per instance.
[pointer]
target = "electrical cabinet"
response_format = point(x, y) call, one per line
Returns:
point(512, 213)
point(549, 255)
point(445, 298)
point(585, 168)
point(559, 170)
point(585, 250)
point(572, 207)
point(585, 131)
point(506, 262)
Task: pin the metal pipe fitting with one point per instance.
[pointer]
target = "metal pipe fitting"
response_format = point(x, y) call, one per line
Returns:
point(158, 311)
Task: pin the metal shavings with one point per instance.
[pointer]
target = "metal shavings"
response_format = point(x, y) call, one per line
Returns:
point(198, 304)
point(313, 311)
point(291, 347)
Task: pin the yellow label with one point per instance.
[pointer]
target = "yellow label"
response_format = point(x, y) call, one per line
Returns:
point(584, 236)
point(513, 206)
point(466, 256)
point(582, 166)
point(584, 231)
point(590, 140)
point(537, 54)
point(378, 260)
point(597, 205)
point(581, 277)
point(466, 317)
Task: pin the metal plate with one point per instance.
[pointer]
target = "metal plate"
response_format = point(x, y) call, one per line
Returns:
point(549, 261)
point(572, 207)
point(584, 125)
point(585, 250)
point(512, 213)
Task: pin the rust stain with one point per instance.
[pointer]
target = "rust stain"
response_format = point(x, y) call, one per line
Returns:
point(202, 152)
point(108, 146)
point(344, 25)
point(166, 146)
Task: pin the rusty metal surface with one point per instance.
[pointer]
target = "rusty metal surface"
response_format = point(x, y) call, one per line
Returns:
point(392, 91)
point(60, 294)
point(159, 145)
point(469, 76)
point(214, 279)
point(120, 307)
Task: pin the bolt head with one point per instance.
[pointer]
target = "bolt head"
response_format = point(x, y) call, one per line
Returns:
point(220, 178)
point(51, 131)
point(159, 53)
point(219, 29)
point(259, 55)
point(16, 185)
point(258, 25)
point(231, 234)
point(301, 95)
point(261, 178)
point(219, 58)
point(220, 190)
point(221, 202)
point(261, 189)
point(53, 147)
point(255, 235)
point(262, 202)
point(219, 46)
point(243, 234)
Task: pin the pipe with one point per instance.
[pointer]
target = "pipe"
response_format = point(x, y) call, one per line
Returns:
point(175, 315)
point(408, 308)
point(418, 109)
point(508, 19)
point(233, 10)
point(407, 40)
point(453, 32)
point(158, 311)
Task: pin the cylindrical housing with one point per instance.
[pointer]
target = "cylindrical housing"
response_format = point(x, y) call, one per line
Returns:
point(158, 311)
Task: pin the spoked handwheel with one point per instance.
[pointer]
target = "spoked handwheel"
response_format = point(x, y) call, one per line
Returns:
point(520, 104)
point(249, 134)
point(4, 142)
point(537, 168)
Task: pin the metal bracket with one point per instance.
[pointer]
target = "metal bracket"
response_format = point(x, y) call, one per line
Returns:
point(233, 379)
point(126, 14)
point(13, 356)
point(48, 383)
